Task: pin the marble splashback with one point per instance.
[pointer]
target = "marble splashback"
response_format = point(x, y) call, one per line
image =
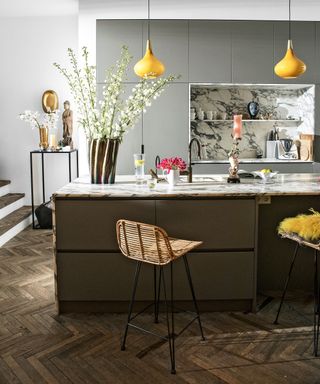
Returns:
point(279, 103)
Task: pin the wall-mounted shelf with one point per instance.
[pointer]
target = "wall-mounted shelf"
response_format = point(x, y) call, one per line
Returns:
point(296, 121)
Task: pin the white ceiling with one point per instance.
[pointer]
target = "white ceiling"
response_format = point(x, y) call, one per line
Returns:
point(21, 8)
point(167, 9)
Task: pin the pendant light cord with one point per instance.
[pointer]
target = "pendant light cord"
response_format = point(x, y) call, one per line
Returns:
point(148, 19)
point(289, 19)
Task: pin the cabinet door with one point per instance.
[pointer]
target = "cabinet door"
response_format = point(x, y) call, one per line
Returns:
point(166, 125)
point(220, 224)
point(169, 39)
point(109, 276)
point(317, 43)
point(111, 36)
point(209, 51)
point(91, 224)
point(100, 276)
point(304, 45)
point(252, 52)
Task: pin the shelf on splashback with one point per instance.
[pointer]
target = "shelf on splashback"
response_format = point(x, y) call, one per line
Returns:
point(296, 121)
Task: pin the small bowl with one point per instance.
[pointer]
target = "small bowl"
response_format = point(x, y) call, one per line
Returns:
point(265, 176)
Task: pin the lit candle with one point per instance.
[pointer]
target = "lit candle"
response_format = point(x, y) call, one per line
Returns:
point(237, 126)
point(53, 141)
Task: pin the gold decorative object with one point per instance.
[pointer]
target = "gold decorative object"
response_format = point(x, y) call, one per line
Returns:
point(149, 67)
point(44, 137)
point(50, 101)
point(290, 66)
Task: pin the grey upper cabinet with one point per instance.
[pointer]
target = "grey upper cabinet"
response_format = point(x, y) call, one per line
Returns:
point(111, 36)
point(252, 52)
point(209, 51)
point(304, 45)
point(317, 66)
point(169, 39)
point(166, 125)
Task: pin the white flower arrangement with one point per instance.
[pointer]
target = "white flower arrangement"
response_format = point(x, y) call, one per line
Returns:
point(34, 118)
point(111, 117)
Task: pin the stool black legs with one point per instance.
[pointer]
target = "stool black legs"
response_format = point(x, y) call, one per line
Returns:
point(316, 294)
point(316, 316)
point(135, 283)
point(193, 294)
point(169, 306)
point(287, 282)
point(171, 335)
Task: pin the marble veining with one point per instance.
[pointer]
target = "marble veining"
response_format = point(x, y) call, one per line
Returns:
point(280, 103)
point(203, 186)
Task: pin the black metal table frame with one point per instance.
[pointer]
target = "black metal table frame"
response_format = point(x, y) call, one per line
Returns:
point(42, 153)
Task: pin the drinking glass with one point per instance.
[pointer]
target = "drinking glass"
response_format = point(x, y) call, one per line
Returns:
point(139, 159)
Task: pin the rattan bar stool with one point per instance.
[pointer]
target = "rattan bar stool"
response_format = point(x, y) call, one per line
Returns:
point(147, 243)
point(300, 242)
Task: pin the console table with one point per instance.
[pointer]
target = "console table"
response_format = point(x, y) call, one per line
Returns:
point(42, 154)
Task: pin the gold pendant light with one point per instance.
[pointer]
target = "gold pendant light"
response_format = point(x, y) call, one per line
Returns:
point(290, 66)
point(149, 67)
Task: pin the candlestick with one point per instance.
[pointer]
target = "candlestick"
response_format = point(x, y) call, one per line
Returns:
point(53, 141)
point(237, 126)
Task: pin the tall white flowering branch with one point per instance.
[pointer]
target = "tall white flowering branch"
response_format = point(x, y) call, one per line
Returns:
point(114, 115)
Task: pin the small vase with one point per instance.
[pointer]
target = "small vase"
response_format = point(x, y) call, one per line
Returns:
point(103, 160)
point(172, 176)
point(44, 138)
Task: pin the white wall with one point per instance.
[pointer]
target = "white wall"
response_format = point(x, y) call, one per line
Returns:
point(29, 46)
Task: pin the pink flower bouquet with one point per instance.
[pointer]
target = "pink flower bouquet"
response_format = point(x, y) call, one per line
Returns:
point(172, 163)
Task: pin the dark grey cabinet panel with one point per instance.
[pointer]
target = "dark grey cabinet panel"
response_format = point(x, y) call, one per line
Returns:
point(91, 224)
point(252, 52)
point(100, 276)
point(220, 224)
point(166, 130)
point(304, 45)
point(108, 276)
point(111, 36)
point(219, 276)
point(209, 51)
point(169, 40)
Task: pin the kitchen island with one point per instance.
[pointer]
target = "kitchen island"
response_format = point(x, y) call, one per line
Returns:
point(241, 250)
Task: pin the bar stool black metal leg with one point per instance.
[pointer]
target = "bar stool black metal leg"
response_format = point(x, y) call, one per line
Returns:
point(157, 286)
point(172, 319)
point(134, 289)
point(193, 294)
point(287, 282)
point(316, 306)
point(170, 339)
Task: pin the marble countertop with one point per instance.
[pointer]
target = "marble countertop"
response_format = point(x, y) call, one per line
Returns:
point(203, 186)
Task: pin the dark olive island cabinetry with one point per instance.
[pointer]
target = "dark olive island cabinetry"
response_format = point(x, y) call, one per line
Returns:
point(237, 224)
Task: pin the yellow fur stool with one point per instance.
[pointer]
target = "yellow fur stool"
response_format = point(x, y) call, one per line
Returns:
point(305, 231)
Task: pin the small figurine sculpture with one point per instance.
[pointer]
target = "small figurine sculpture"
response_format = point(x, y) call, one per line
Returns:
point(234, 153)
point(67, 122)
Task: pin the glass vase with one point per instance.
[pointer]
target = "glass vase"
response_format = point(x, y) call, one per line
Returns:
point(44, 138)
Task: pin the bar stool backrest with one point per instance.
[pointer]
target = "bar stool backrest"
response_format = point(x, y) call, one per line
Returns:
point(144, 242)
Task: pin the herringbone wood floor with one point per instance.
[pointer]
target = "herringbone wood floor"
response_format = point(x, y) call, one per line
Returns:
point(37, 346)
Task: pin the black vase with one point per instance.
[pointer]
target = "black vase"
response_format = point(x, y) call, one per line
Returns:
point(253, 109)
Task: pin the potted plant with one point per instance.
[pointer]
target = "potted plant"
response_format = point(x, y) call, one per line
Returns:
point(105, 122)
point(171, 167)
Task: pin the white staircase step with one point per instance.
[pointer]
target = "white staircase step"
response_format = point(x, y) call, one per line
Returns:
point(4, 187)
point(10, 203)
point(14, 223)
